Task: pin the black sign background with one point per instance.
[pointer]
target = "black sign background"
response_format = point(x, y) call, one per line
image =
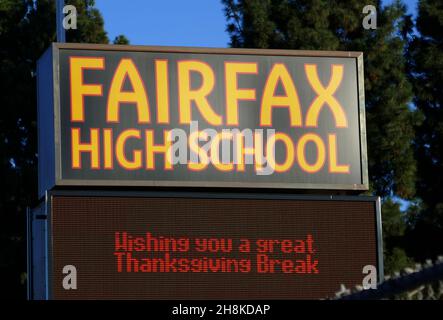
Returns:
point(95, 108)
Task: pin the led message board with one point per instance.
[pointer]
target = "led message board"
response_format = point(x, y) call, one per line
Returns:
point(209, 246)
point(165, 116)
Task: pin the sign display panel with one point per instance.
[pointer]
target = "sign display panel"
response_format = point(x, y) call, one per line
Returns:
point(152, 116)
point(210, 246)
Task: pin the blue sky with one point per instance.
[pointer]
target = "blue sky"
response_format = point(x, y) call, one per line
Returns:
point(199, 23)
point(167, 22)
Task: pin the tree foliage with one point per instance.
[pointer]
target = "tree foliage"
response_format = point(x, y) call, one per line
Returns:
point(426, 53)
point(394, 223)
point(120, 39)
point(27, 27)
point(425, 56)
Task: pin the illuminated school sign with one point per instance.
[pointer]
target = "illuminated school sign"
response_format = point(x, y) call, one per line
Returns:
point(153, 116)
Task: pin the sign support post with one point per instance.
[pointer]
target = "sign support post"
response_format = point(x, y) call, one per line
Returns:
point(61, 35)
